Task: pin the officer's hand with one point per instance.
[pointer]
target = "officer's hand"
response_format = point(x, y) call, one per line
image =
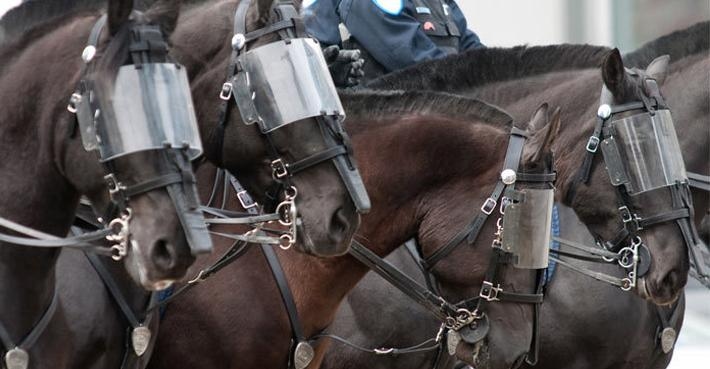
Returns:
point(345, 66)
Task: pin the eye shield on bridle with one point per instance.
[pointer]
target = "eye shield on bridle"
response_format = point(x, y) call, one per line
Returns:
point(288, 81)
point(642, 152)
point(146, 106)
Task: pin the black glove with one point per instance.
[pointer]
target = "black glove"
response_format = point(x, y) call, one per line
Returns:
point(345, 66)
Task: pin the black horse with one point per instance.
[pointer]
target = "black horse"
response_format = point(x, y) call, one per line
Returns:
point(500, 73)
point(46, 170)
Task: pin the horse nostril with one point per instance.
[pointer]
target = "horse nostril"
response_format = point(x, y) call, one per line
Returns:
point(673, 280)
point(339, 226)
point(162, 255)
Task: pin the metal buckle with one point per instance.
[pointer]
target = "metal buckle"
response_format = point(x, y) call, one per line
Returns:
point(489, 206)
point(245, 200)
point(226, 92)
point(74, 100)
point(627, 217)
point(114, 186)
point(488, 292)
point(593, 144)
point(279, 168)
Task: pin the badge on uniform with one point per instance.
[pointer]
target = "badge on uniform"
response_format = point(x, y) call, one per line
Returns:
point(391, 7)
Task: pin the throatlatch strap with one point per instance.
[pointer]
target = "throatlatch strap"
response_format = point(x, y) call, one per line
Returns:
point(285, 291)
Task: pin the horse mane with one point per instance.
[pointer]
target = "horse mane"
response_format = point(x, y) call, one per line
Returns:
point(381, 104)
point(479, 67)
point(34, 14)
point(677, 45)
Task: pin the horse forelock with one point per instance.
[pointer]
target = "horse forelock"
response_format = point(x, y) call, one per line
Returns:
point(383, 104)
point(475, 68)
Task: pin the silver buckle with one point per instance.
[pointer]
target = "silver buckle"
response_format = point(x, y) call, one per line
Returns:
point(114, 186)
point(593, 144)
point(488, 292)
point(279, 169)
point(628, 217)
point(74, 100)
point(226, 92)
point(245, 200)
point(489, 206)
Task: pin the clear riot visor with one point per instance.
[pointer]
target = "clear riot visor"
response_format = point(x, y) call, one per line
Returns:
point(284, 82)
point(643, 152)
point(526, 228)
point(148, 107)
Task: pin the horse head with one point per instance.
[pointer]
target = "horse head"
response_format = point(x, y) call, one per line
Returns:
point(148, 184)
point(643, 209)
point(275, 158)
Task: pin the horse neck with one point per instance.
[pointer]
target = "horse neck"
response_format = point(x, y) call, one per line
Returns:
point(688, 97)
point(35, 193)
point(576, 92)
point(398, 178)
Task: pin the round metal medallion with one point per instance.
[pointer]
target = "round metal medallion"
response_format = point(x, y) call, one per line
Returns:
point(475, 332)
point(238, 41)
point(508, 176)
point(88, 54)
point(604, 111)
point(668, 339)
point(140, 340)
point(17, 358)
point(303, 355)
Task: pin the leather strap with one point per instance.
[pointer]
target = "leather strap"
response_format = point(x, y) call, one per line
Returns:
point(316, 159)
point(285, 292)
point(154, 183)
point(36, 330)
point(44, 240)
point(435, 304)
point(113, 289)
point(699, 181)
point(471, 231)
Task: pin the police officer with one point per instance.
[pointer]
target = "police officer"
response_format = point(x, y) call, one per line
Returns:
point(396, 33)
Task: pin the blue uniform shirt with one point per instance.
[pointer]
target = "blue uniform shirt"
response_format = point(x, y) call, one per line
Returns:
point(387, 29)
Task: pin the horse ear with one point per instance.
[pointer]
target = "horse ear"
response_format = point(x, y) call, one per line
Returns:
point(613, 72)
point(118, 13)
point(538, 119)
point(264, 8)
point(542, 139)
point(165, 13)
point(658, 69)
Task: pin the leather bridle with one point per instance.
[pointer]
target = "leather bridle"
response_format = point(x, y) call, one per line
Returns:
point(287, 24)
point(635, 257)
